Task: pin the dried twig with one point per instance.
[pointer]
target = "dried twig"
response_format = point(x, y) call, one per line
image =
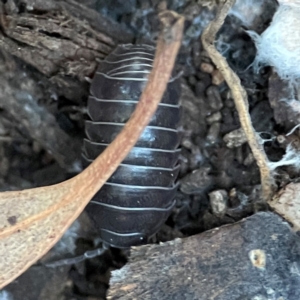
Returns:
point(32, 221)
point(240, 98)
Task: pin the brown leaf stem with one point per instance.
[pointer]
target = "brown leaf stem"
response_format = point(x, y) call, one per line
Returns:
point(240, 98)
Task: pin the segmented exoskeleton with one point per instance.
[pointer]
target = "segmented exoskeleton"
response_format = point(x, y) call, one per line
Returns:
point(138, 197)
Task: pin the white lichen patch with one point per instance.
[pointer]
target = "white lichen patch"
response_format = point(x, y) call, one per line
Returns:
point(291, 158)
point(279, 44)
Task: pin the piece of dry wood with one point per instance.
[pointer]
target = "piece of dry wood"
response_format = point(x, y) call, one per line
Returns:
point(97, 21)
point(240, 98)
point(32, 221)
point(77, 9)
point(19, 98)
point(61, 39)
point(55, 38)
point(55, 43)
point(287, 204)
point(246, 260)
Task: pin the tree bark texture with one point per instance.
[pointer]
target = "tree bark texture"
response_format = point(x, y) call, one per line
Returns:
point(61, 43)
point(257, 258)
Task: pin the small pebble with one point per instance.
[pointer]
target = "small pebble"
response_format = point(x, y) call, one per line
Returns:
point(215, 117)
point(229, 103)
point(200, 88)
point(218, 201)
point(213, 133)
point(214, 98)
point(249, 160)
point(233, 193)
point(191, 11)
point(281, 139)
point(197, 181)
point(204, 81)
point(235, 138)
point(207, 68)
point(187, 143)
point(192, 80)
point(217, 77)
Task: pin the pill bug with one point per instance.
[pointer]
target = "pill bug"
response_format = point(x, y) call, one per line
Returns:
point(139, 196)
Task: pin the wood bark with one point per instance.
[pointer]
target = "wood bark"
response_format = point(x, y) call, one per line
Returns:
point(56, 45)
point(257, 258)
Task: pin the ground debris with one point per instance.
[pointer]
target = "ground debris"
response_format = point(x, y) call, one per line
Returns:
point(58, 45)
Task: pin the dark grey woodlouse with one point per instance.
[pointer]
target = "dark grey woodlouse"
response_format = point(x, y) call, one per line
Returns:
point(139, 196)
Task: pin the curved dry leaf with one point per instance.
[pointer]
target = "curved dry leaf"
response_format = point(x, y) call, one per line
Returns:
point(287, 204)
point(32, 221)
